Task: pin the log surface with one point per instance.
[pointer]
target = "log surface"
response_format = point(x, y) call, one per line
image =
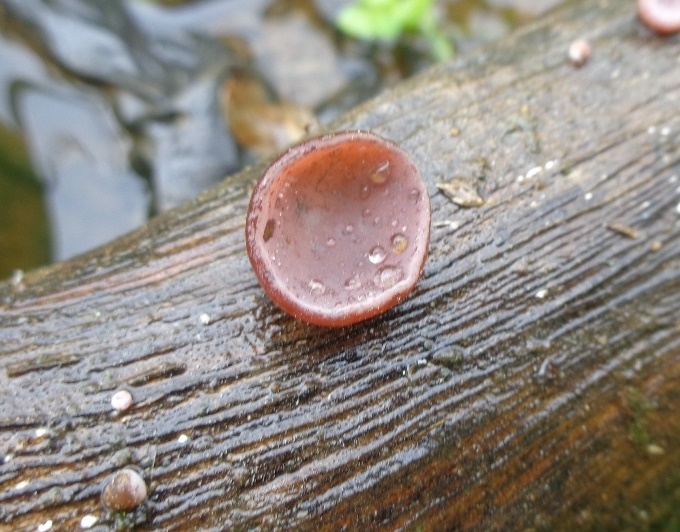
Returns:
point(530, 381)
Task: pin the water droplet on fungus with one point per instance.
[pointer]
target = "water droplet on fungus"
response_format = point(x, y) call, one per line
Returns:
point(377, 255)
point(399, 243)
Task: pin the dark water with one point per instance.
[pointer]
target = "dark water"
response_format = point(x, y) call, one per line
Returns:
point(113, 111)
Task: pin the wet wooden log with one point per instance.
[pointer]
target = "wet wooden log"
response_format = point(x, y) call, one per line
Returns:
point(530, 381)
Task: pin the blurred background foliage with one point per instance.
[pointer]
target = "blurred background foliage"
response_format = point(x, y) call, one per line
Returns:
point(111, 112)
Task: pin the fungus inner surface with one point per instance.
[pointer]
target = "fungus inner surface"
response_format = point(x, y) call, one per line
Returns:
point(341, 228)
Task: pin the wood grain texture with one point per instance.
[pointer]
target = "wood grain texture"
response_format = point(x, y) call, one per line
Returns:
point(530, 381)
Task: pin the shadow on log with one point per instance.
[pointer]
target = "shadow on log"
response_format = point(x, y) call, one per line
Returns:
point(530, 381)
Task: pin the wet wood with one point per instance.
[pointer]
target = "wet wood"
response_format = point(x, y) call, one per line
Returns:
point(530, 381)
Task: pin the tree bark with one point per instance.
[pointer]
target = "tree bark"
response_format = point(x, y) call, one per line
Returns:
point(530, 381)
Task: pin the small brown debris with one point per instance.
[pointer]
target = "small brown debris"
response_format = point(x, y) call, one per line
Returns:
point(602, 339)
point(549, 370)
point(41, 363)
point(259, 123)
point(461, 192)
point(164, 370)
point(623, 229)
point(655, 450)
point(451, 224)
point(656, 245)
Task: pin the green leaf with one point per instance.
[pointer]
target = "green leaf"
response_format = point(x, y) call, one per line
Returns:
point(440, 47)
point(369, 22)
point(387, 20)
point(411, 13)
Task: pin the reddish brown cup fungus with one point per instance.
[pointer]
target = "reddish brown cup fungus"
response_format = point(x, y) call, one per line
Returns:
point(660, 16)
point(338, 228)
point(124, 491)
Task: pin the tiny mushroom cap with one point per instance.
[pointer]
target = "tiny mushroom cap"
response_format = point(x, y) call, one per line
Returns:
point(124, 491)
point(338, 228)
point(121, 400)
point(660, 16)
point(579, 52)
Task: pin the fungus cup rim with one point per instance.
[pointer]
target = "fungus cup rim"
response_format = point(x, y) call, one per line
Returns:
point(276, 289)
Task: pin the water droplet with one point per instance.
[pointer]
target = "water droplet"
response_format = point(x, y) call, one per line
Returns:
point(376, 220)
point(348, 230)
point(366, 213)
point(316, 288)
point(330, 242)
point(353, 283)
point(387, 277)
point(395, 223)
point(365, 192)
point(414, 195)
point(377, 255)
point(399, 243)
point(381, 173)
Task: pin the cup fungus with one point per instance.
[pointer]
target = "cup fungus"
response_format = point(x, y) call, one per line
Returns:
point(661, 16)
point(124, 491)
point(338, 228)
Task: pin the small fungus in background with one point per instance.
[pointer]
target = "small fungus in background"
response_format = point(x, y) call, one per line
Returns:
point(338, 228)
point(660, 16)
point(579, 52)
point(121, 400)
point(124, 491)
